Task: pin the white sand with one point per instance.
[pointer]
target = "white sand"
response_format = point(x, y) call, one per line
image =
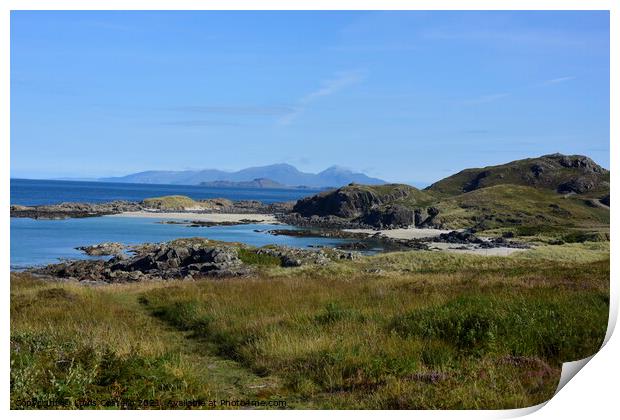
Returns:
point(408, 233)
point(415, 233)
point(201, 217)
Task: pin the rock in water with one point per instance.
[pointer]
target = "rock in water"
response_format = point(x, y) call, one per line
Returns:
point(163, 261)
point(105, 248)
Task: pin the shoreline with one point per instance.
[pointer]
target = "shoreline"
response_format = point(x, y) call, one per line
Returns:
point(257, 218)
point(402, 233)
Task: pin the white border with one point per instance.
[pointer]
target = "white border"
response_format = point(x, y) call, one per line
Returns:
point(591, 393)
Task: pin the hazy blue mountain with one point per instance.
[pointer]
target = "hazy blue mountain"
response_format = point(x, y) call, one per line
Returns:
point(255, 183)
point(281, 173)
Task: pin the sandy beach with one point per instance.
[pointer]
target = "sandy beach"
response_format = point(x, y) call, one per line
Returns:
point(202, 217)
point(415, 233)
point(409, 233)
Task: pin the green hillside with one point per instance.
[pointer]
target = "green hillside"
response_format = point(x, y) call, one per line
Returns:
point(525, 208)
point(557, 172)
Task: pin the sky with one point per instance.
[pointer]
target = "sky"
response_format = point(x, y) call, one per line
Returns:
point(403, 96)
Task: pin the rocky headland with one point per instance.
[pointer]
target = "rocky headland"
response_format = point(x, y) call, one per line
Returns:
point(73, 210)
point(182, 259)
point(158, 205)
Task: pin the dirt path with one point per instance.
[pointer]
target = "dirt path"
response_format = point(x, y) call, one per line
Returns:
point(225, 379)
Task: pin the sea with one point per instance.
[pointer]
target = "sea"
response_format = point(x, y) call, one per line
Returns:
point(40, 242)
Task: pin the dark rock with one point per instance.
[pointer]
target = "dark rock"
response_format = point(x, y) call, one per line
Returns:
point(475, 183)
point(393, 216)
point(105, 248)
point(577, 185)
point(159, 262)
point(351, 202)
point(345, 203)
point(605, 200)
point(469, 238)
point(537, 170)
point(456, 237)
point(426, 217)
point(582, 162)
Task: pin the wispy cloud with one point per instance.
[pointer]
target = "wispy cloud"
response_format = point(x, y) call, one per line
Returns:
point(329, 87)
point(558, 80)
point(332, 86)
point(485, 99)
point(543, 38)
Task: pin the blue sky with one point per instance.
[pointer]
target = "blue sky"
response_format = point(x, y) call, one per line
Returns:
point(405, 96)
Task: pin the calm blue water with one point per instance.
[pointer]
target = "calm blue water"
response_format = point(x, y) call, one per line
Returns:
point(38, 242)
point(31, 192)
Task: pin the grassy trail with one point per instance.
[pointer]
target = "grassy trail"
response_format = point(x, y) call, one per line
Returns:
point(398, 330)
point(225, 378)
point(119, 352)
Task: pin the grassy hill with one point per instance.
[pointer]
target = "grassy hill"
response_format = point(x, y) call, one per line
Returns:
point(524, 209)
point(556, 196)
point(171, 203)
point(557, 172)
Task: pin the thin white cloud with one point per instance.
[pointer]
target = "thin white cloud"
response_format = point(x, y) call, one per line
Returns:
point(559, 80)
point(485, 99)
point(329, 87)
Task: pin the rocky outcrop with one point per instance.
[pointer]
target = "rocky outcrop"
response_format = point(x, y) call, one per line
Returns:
point(324, 222)
point(468, 237)
point(163, 261)
point(605, 200)
point(352, 201)
point(296, 257)
point(161, 204)
point(102, 249)
point(74, 210)
point(386, 206)
point(577, 185)
point(182, 259)
point(426, 217)
point(391, 216)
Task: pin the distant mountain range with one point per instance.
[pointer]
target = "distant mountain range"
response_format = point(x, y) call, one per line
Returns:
point(255, 183)
point(282, 174)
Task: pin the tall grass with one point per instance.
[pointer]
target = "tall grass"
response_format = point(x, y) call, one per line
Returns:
point(402, 330)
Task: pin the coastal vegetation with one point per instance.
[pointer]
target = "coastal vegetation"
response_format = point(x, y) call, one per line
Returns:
point(200, 320)
point(171, 203)
point(395, 330)
point(557, 197)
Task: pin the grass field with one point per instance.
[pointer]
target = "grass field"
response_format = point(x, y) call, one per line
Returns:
point(398, 330)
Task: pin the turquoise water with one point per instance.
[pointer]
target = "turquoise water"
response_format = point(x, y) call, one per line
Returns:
point(38, 242)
